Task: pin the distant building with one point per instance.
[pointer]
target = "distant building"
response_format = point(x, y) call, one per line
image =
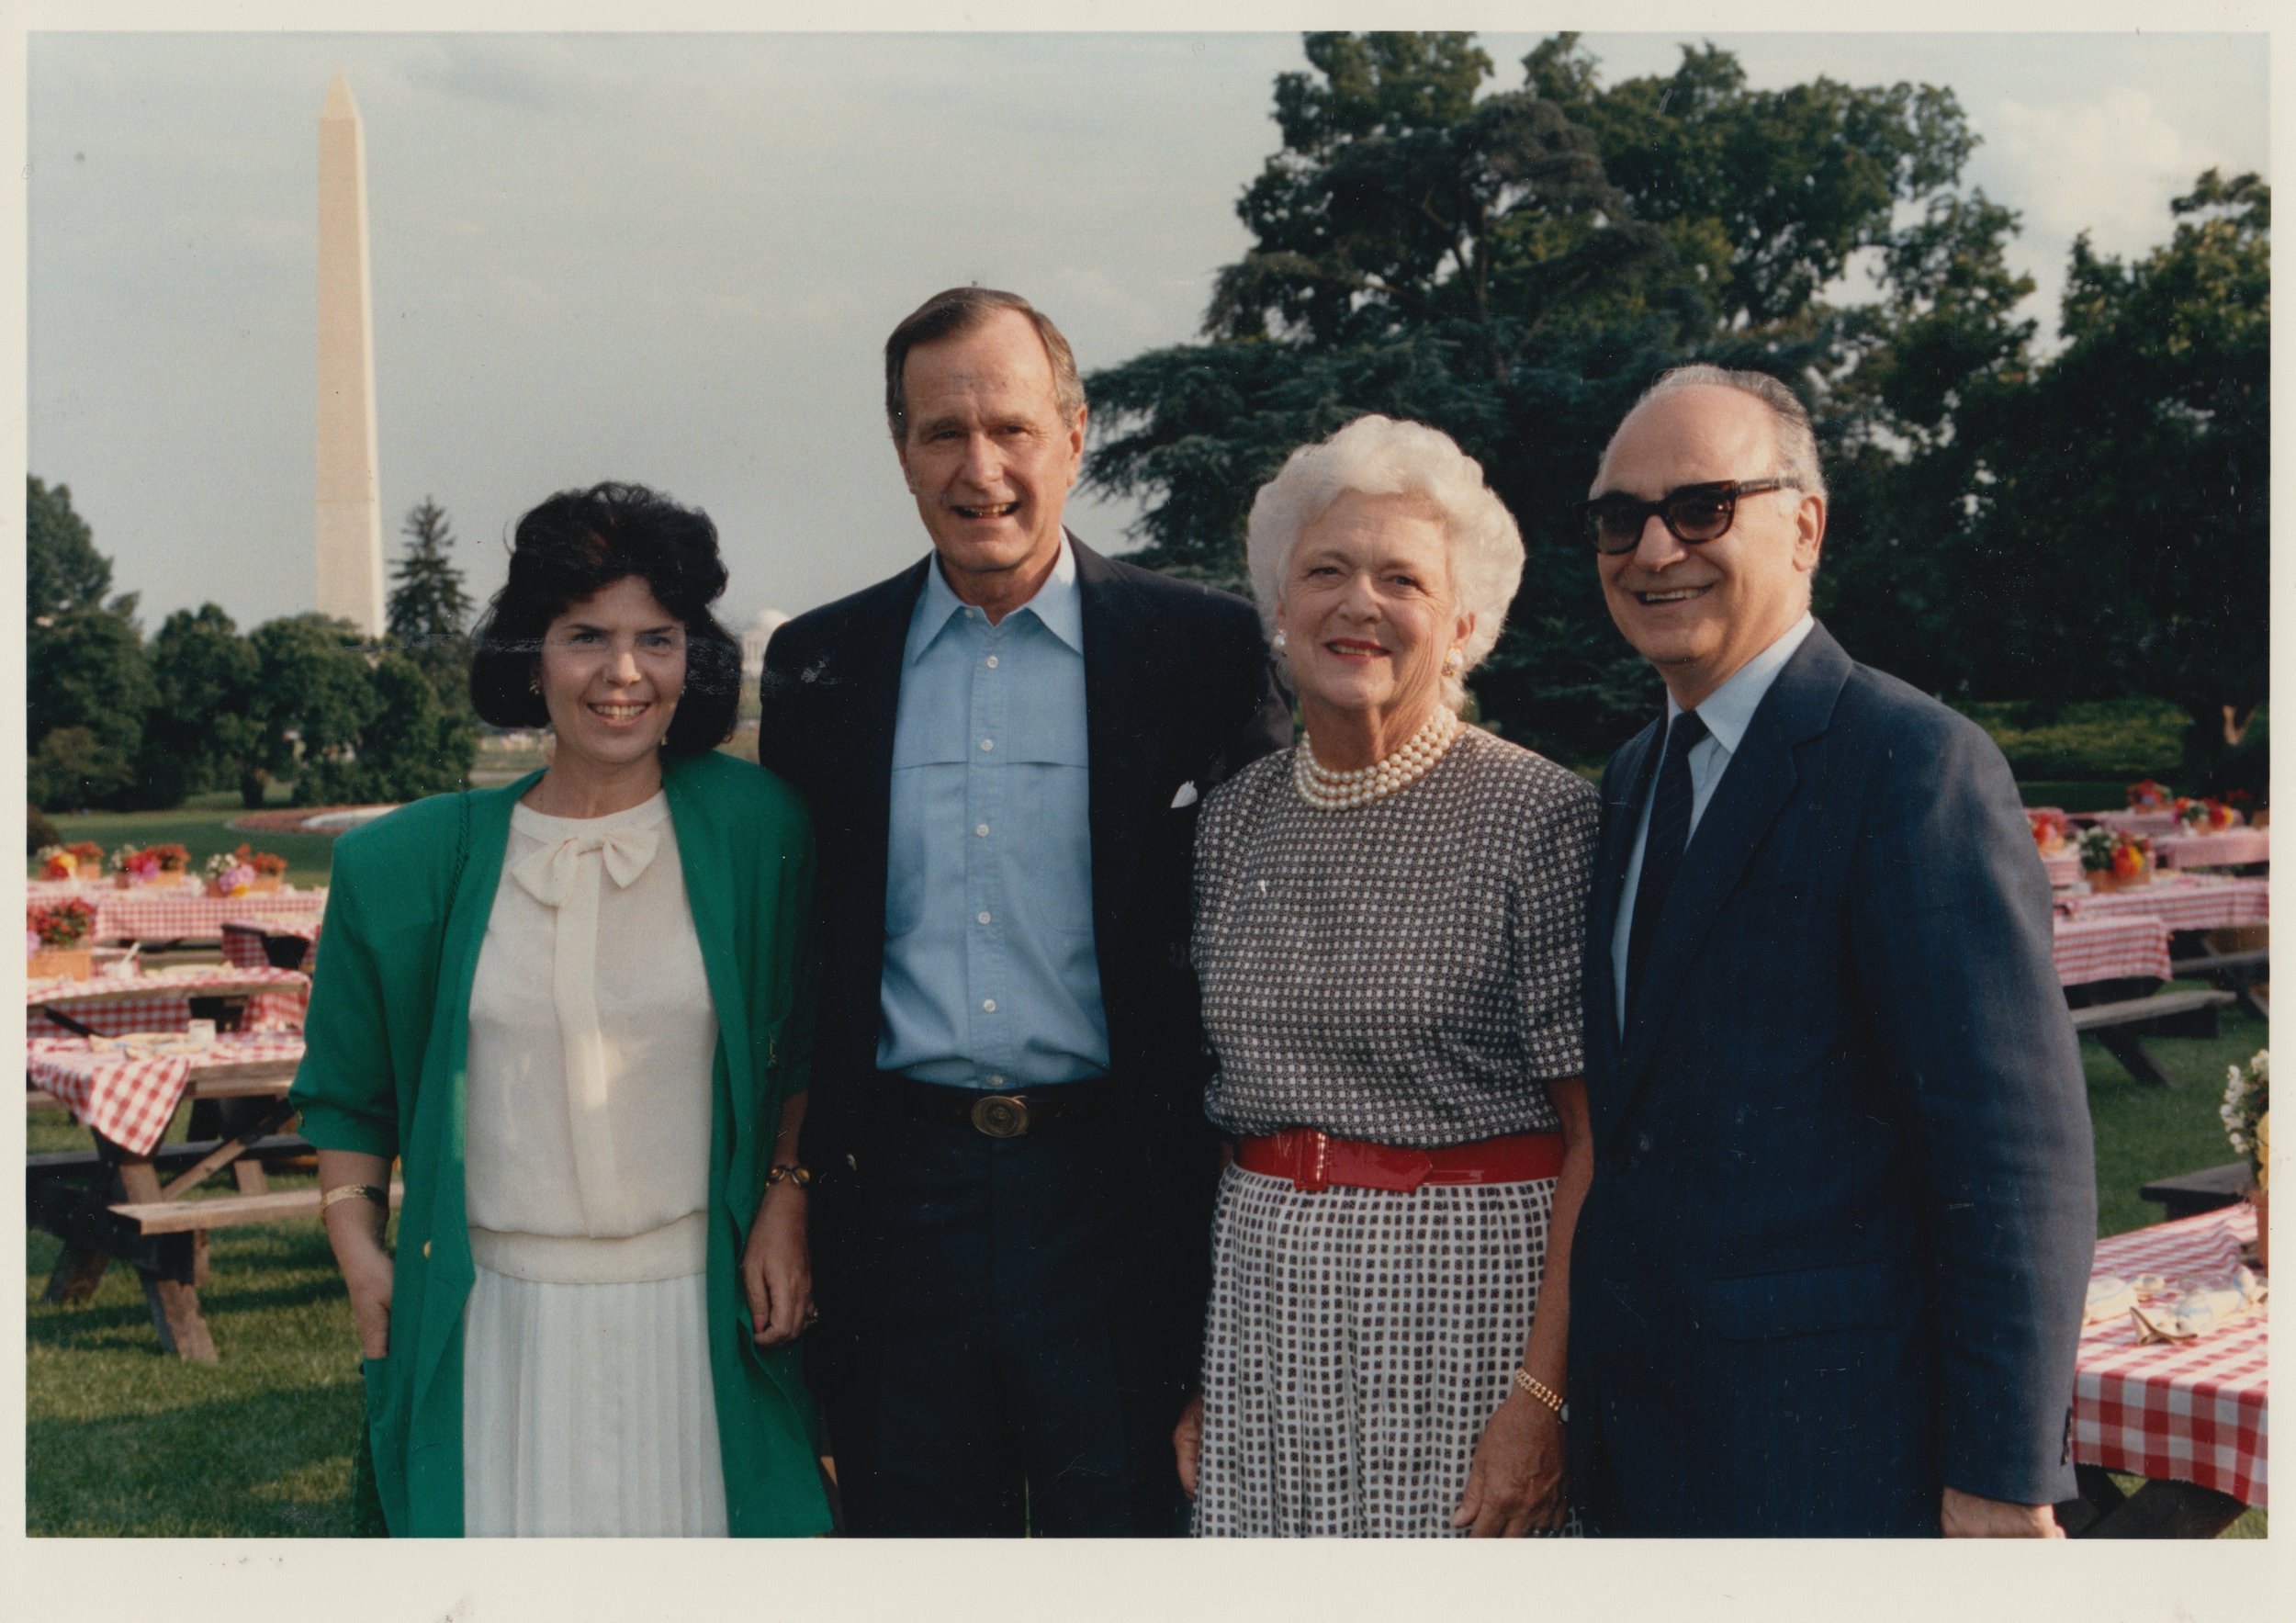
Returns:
point(754, 637)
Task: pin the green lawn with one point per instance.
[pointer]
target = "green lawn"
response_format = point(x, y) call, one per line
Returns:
point(121, 1440)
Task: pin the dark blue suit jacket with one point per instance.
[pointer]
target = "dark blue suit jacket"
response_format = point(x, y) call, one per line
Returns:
point(1836, 1248)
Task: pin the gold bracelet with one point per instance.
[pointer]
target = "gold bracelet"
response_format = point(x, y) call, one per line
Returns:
point(354, 1191)
point(800, 1176)
point(1538, 1389)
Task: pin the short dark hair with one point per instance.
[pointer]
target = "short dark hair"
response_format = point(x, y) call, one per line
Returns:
point(954, 311)
point(573, 546)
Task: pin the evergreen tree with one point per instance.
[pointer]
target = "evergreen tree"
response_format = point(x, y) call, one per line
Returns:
point(87, 686)
point(428, 614)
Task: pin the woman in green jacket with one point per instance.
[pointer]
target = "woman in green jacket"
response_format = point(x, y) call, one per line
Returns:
point(578, 1009)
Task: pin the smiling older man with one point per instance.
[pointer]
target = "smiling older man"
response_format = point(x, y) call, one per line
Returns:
point(1828, 1275)
point(1004, 748)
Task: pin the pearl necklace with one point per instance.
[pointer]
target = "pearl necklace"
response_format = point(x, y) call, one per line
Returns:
point(1327, 790)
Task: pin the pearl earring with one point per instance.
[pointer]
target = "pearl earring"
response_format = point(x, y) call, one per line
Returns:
point(1280, 643)
point(1452, 661)
point(533, 684)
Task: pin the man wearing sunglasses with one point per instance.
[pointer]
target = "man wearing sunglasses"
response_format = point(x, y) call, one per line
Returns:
point(1829, 1275)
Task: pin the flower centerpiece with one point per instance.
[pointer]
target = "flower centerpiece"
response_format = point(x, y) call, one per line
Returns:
point(56, 863)
point(174, 860)
point(87, 857)
point(269, 869)
point(2205, 816)
point(227, 876)
point(2246, 1115)
point(132, 865)
point(2145, 795)
point(2049, 830)
point(57, 940)
point(2111, 860)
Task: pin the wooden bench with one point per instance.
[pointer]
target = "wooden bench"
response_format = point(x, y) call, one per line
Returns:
point(2121, 1026)
point(2189, 1193)
point(182, 1217)
point(2241, 974)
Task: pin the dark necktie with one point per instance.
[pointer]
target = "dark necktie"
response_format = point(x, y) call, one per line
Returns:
point(1662, 846)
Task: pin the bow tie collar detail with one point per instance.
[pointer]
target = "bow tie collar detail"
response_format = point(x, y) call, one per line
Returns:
point(550, 873)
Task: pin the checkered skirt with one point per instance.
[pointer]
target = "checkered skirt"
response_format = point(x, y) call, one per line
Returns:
point(1357, 1342)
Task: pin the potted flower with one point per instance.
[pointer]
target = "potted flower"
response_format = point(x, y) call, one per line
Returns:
point(2246, 1115)
point(269, 869)
point(2205, 816)
point(2145, 795)
point(55, 862)
point(2049, 830)
point(88, 859)
point(57, 940)
point(2111, 860)
point(174, 864)
point(132, 865)
point(227, 876)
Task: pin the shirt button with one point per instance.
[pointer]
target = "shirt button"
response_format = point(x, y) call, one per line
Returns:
point(992, 662)
point(981, 918)
point(988, 1006)
point(426, 1247)
point(981, 829)
point(996, 1080)
point(988, 744)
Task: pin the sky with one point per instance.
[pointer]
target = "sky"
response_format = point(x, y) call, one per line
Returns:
point(675, 258)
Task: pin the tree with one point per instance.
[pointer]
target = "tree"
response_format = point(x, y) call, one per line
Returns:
point(313, 697)
point(1514, 268)
point(429, 612)
point(2120, 525)
point(202, 732)
point(412, 744)
point(85, 672)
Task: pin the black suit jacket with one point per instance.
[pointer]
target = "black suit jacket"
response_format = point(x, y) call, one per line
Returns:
point(1835, 1252)
point(1177, 690)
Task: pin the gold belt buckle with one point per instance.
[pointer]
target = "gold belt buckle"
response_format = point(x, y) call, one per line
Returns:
point(1001, 1115)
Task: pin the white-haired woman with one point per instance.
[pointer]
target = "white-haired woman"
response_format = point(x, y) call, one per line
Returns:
point(1389, 920)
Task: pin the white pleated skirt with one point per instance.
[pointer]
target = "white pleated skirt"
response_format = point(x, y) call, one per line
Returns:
point(588, 1411)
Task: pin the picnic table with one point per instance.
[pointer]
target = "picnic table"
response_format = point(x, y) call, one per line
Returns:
point(163, 999)
point(108, 1203)
point(2227, 847)
point(2133, 822)
point(2062, 867)
point(2181, 901)
point(2188, 1417)
point(257, 943)
point(155, 914)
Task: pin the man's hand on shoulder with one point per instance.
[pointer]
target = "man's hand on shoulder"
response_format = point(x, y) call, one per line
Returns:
point(1968, 1517)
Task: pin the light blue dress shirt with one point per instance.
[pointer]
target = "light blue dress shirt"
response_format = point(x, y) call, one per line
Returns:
point(1726, 712)
point(991, 978)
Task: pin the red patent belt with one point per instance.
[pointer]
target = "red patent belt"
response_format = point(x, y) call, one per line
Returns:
point(1314, 1160)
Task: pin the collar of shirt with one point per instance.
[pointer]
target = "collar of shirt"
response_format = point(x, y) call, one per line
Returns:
point(1729, 709)
point(1058, 605)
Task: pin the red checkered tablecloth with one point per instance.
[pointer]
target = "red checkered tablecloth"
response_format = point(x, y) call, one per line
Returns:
point(162, 916)
point(2228, 848)
point(131, 1099)
point(160, 999)
point(2196, 1412)
point(2110, 949)
point(2183, 901)
point(2063, 868)
point(243, 940)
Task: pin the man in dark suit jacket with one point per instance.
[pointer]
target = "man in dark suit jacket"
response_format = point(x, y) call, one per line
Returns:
point(1829, 1275)
point(1004, 747)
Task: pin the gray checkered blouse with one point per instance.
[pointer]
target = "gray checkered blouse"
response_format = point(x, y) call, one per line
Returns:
point(1405, 972)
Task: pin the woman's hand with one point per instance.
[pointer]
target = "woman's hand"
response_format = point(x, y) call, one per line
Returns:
point(776, 1274)
point(1515, 1485)
point(366, 1275)
point(1187, 1442)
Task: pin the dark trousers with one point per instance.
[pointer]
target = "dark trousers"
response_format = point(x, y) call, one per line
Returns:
point(1009, 1330)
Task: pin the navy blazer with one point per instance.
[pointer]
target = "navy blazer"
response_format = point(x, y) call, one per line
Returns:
point(1837, 1243)
point(1178, 692)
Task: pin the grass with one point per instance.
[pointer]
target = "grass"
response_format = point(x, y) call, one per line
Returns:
point(121, 1440)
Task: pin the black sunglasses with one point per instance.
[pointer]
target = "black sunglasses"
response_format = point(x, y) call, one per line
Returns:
point(1691, 513)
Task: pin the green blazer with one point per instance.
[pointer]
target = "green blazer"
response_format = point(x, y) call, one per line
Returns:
point(383, 1073)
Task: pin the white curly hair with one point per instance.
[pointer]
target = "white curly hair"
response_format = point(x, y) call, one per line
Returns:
point(1378, 456)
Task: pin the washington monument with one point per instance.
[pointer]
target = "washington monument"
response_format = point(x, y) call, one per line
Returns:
point(350, 517)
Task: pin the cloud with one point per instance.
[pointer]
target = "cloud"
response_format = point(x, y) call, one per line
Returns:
point(2108, 166)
